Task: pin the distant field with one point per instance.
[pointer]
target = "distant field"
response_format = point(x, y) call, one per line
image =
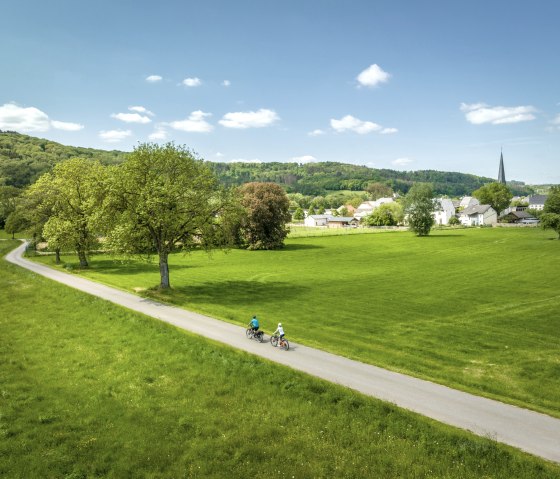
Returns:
point(475, 309)
point(89, 389)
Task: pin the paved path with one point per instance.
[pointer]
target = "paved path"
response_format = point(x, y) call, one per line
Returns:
point(535, 433)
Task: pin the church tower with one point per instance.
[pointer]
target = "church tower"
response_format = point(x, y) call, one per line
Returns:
point(501, 172)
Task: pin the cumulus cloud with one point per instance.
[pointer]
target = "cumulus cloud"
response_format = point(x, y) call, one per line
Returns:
point(373, 76)
point(154, 78)
point(401, 161)
point(480, 113)
point(114, 136)
point(350, 123)
point(66, 126)
point(31, 119)
point(195, 123)
point(388, 131)
point(14, 117)
point(316, 132)
point(304, 159)
point(159, 134)
point(191, 82)
point(226, 83)
point(140, 109)
point(249, 119)
point(131, 118)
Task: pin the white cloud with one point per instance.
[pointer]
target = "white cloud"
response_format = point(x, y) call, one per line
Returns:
point(350, 123)
point(249, 119)
point(556, 120)
point(316, 132)
point(226, 83)
point(219, 155)
point(31, 119)
point(304, 159)
point(153, 78)
point(372, 76)
point(66, 126)
point(140, 109)
point(159, 134)
point(131, 118)
point(114, 136)
point(480, 113)
point(195, 123)
point(401, 161)
point(192, 82)
point(14, 117)
point(388, 131)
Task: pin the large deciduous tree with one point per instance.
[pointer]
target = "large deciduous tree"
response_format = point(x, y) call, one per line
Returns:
point(497, 195)
point(263, 226)
point(378, 190)
point(550, 218)
point(164, 198)
point(387, 214)
point(419, 206)
point(71, 195)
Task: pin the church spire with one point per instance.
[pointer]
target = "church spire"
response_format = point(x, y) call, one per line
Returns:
point(501, 172)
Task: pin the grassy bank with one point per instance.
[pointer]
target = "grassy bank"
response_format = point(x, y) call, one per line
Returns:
point(89, 389)
point(475, 308)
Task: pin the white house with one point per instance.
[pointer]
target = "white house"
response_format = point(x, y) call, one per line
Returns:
point(446, 211)
point(536, 202)
point(367, 207)
point(478, 215)
point(330, 221)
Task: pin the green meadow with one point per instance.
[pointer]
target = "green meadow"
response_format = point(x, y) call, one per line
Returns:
point(89, 389)
point(475, 309)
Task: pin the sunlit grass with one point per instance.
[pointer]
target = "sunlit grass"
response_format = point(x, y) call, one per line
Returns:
point(476, 309)
point(89, 389)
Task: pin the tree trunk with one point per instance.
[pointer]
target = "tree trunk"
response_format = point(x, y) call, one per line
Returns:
point(57, 255)
point(83, 259)
point(163, 270)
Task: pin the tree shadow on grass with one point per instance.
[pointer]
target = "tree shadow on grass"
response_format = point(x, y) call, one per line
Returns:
point(300, 246)
point(231, 293)
point(131, 267)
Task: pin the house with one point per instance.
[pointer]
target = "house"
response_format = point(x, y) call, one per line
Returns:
point(478, 215)
point(467, 202)
point(330, 221)
point(536, 202)
point(521, 217)
point(367, 207)
point(445, 213)
point(349, 208)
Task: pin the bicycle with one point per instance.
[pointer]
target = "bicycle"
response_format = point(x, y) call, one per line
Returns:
point(277, 341)
point(256, 335)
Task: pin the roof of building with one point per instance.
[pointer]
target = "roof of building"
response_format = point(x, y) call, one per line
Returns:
point(476, 210)
point(537, 199)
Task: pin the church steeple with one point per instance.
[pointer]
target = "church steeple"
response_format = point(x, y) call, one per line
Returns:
point(501, 172)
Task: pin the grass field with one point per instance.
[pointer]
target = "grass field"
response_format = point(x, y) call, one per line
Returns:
point(476, 309)
point(89, 389)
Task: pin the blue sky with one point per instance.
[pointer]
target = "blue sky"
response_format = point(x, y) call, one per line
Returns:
point(395, 84)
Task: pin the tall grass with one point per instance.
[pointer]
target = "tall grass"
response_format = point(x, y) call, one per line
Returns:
point(475, 309)
point(89, 389)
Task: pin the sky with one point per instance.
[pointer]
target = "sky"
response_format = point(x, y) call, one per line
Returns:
point(397, 84)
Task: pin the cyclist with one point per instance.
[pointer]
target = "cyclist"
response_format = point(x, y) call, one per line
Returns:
point(254, 324)
point(280, 331)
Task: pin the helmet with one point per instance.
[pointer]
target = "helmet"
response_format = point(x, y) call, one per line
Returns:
point(279, 325)
point(254, 316)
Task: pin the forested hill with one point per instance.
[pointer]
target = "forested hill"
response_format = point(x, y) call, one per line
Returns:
point(24, 158)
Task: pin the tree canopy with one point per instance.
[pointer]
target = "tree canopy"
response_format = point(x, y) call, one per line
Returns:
point(419, 206)
point(550, 218)
point(497, 195)
point(266, 213)
point(164, 198)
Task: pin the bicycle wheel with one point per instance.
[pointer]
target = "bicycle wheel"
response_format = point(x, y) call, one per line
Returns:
point(274, 340)
point(259, 336)
point(249, 333)
point(285, 345)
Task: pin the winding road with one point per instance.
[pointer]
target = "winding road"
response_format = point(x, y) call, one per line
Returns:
point(530, 431)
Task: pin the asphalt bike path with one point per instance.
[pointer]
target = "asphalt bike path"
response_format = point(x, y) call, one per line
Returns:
point(530, 431)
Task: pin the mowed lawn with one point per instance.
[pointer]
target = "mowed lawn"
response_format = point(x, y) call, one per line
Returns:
point(476, 309)
point(89, 389)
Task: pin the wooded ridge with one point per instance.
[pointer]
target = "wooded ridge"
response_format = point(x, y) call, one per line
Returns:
point(24, 158)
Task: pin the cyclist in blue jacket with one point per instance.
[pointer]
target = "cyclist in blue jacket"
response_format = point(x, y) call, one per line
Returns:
point(254, 324)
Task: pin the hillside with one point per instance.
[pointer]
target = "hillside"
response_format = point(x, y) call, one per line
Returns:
point(24, 158)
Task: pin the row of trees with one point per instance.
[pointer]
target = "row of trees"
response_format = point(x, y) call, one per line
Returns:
point(161, 199)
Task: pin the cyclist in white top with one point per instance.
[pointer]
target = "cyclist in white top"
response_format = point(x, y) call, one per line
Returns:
point(279, 330)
